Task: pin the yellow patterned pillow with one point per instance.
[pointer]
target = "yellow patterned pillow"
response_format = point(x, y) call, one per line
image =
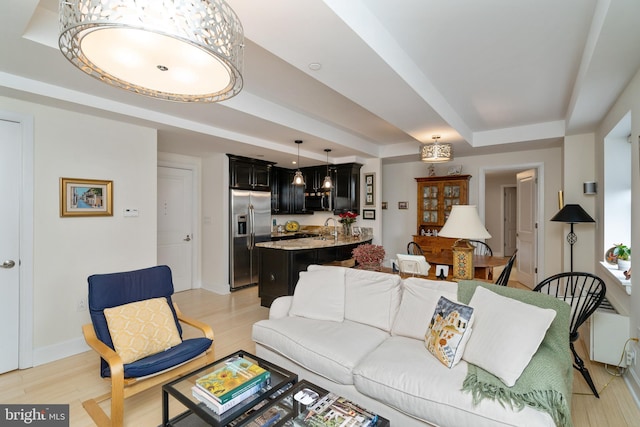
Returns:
point(142, 328)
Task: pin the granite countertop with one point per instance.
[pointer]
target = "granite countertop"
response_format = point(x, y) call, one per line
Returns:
point(311, 243)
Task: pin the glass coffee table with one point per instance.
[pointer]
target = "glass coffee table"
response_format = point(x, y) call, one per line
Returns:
point(198, 414)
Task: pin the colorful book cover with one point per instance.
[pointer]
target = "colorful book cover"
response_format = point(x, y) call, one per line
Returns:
point(232, 379)
point(333, 410)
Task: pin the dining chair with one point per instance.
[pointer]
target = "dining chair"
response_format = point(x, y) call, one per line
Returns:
point(584, 292)
point(481, 248)
point(414, 249)
point(503, 279)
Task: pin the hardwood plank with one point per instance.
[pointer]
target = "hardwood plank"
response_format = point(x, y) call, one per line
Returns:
point(76, 378)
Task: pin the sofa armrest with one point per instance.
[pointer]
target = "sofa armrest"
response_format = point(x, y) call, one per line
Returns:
point(280, 307)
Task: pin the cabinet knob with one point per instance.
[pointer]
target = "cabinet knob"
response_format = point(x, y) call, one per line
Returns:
point(272, 277)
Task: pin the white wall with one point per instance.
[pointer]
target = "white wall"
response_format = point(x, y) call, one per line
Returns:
point(398, 226)
point(68, 250)
point(629, 101)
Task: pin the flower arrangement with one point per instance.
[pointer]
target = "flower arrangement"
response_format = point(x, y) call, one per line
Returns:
point(368, 254)
point(348, 217)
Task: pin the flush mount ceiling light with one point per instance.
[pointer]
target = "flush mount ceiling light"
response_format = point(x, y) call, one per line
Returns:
point(180, 50)
point(298, 179)
point(436, 152)
point(327, 184)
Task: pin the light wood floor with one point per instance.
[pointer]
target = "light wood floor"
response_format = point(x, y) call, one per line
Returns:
point(74, 379)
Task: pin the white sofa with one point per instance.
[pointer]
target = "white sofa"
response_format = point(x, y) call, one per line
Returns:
point(361, 334)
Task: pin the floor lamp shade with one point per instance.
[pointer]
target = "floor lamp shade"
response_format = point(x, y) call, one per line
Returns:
point(463, 224)
point(572, 214)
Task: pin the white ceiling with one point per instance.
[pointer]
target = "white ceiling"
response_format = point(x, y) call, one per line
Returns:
point(488, 76)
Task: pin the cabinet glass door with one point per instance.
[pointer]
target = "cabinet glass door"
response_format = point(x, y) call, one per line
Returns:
point(430, 204)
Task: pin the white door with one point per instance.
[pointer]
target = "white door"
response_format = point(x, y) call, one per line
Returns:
point(510, 210)
point(175, 236)
point(10, 161)
point(527, 227)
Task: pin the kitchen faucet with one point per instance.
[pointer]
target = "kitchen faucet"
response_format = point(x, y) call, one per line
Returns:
point(335, 226)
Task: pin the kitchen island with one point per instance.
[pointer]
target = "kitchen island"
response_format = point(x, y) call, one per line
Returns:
point(281, 261)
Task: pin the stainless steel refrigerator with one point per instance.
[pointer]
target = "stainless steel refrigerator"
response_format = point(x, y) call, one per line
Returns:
point(250, 224)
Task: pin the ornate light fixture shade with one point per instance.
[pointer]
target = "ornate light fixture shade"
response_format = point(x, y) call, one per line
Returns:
point(298, 179)
point(436, 152)
point(572, 214)
point(327, 184)
point(463, 224)
point(180, 50)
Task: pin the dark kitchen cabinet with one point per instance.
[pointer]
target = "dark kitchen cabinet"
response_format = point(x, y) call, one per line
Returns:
point(286, 198)
point(346, 191)
point(249, 174)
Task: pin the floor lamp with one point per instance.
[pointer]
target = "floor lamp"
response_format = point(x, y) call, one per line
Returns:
point(572, 214)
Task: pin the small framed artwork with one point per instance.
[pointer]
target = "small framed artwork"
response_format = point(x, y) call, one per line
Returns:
point(403, 205)
point(368, 214)
point(369, 189)
point(384, 205)
point(86, 197)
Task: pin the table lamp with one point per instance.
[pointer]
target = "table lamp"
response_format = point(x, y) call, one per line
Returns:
point(571, 214)
point(463, 224)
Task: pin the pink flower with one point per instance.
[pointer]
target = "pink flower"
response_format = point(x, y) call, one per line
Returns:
point(368, 254)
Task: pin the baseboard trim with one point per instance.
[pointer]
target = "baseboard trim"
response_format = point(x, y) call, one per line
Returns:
point(58, 351)
point(633, 384)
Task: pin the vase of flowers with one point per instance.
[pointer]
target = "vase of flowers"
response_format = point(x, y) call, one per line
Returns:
point(369, 256)
point(347, 219)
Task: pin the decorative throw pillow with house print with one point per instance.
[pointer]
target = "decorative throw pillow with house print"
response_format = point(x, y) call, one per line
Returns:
point(449, 331)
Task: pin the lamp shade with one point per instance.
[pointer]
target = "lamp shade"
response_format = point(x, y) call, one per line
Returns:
point(572, 214)
point(464, 223)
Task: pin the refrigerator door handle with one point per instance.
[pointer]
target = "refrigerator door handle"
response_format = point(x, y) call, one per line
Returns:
point(251, 235)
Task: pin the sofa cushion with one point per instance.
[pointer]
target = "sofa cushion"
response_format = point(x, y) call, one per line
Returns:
point(419, 299)
point(371, 297)
point(319, 295)
point(506, 334)
point(140, 329)
point(449, 331)
point(401, 374)
point(330, 349)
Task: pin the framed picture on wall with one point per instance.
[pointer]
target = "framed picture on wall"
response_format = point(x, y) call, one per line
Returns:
point(86, 197)
point(368, 214)
point(369, 189)
point(403, 205)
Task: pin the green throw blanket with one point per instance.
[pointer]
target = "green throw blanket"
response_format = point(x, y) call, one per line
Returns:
point(547, 381)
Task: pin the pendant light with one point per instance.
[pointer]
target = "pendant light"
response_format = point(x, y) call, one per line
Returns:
point(436, 152)
point(327, 184)
point(298, 179)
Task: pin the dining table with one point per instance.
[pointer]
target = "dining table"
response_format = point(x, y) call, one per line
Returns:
point(483, 266)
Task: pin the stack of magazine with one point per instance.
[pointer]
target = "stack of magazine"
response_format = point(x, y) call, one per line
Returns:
point(333, 410)
point(227, 386)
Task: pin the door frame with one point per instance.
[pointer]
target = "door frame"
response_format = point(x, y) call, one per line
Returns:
point(194, 167)
point(25, 336)
point(540, 272)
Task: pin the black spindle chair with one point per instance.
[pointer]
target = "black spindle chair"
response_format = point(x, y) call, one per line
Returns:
point(584, 292)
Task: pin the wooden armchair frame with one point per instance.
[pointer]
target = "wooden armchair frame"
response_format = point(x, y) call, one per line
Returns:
point(122, 388)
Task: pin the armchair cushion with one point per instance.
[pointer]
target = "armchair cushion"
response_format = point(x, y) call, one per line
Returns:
point(183, 352)
point(140, 329)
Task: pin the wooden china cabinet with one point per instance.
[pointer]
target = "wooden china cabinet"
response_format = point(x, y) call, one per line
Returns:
point(436, 196)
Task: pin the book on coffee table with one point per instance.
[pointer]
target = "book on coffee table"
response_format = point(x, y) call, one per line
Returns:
point(333, 410)
point(220, 408)
point(234, 378)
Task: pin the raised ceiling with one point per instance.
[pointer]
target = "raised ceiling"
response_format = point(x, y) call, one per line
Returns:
point(488, 76)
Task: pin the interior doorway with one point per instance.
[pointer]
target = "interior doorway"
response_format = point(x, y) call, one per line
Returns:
point(499, 200)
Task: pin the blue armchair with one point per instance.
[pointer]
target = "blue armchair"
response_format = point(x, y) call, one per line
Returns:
point(115, 290)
